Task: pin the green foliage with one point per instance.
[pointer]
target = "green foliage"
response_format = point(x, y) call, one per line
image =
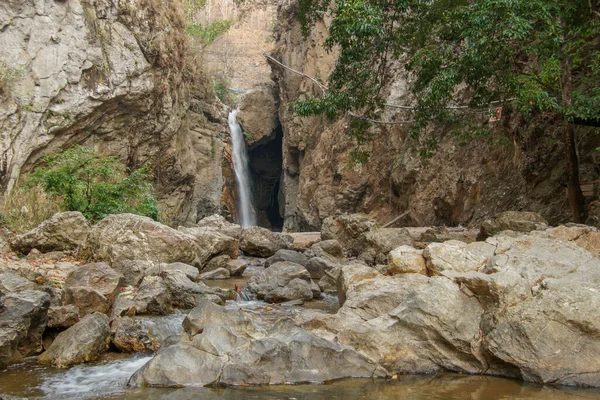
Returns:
point(96, 186)
point(487, 50)
point(7, 75)
point(207, 34)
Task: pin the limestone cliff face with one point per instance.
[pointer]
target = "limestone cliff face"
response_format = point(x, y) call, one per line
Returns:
point(113, 76)
point(457, 185)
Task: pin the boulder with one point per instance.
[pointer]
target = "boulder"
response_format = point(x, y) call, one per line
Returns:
point(406, 259)
point(65, 231)
point(220, 224)
point(215, 274)
point(454, 256)
point(23, 319)
point(133, 271)
point(85, 341)
point(122, 237)
point(304, 240)
point(317, 266)
point(258, 115)
point(189, 271)
point(133, 334)
point(287, 255)
point(261, 242)
point(351, 274)
point(281, 282)
point(237, 267)
point(152, 297)
point(212, 243)
point(327, 248)
point(414, 324)
point(517, 221)
point(13, 282)
point(63, 316)
point(349, 230)
point(217, 262)
point(231, 348)
point(380, 242)
point(186, 293)
point(541, 297)
point(92, 287)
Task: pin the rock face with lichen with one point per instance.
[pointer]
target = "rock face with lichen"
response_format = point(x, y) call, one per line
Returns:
point(113, 76)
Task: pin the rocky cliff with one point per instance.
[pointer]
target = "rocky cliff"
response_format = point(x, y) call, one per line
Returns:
point(459, 184)
point(117, 77)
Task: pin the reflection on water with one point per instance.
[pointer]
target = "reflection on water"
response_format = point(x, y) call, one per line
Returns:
point(108, 381)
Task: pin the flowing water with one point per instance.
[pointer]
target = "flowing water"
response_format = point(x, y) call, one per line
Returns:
point(242, 172)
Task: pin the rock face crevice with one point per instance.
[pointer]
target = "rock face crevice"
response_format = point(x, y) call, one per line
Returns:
point(114, 77)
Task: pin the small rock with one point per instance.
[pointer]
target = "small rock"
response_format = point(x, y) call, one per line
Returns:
point(406, 259)
point(287, 255)
point(219, 273)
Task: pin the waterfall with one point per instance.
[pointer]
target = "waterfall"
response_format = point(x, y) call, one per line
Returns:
point(242, 173)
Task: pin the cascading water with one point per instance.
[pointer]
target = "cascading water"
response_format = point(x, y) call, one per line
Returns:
point(241, 170)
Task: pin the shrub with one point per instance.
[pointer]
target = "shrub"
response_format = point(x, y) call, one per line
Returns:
point(208, 33)
point(96, 186)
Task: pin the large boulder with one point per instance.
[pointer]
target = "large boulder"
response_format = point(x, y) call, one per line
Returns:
point(281, 282)
point(517, 221)
point(66, 231)
point(212, 243)
point(23, 319)
point(259, 115)
point(231, 348)
point(541, 299)
point(220, 224)
point(413, 324)
point(92, 287)
point(349, 230)
point(122, 237)
point(85, 341)
point(261, 242)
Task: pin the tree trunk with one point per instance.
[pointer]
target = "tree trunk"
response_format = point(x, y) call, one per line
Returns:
point(574, 187)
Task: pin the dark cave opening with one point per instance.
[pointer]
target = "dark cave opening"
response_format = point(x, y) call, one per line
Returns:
point(266, 163)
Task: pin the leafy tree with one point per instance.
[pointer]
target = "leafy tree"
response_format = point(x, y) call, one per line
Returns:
point(208, 33)
point(541, 55)
point(96, 186)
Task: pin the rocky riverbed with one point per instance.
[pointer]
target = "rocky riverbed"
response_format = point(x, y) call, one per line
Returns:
point(515, 299)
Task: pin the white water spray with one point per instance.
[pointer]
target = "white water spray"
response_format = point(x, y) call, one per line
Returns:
point(241, 170)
